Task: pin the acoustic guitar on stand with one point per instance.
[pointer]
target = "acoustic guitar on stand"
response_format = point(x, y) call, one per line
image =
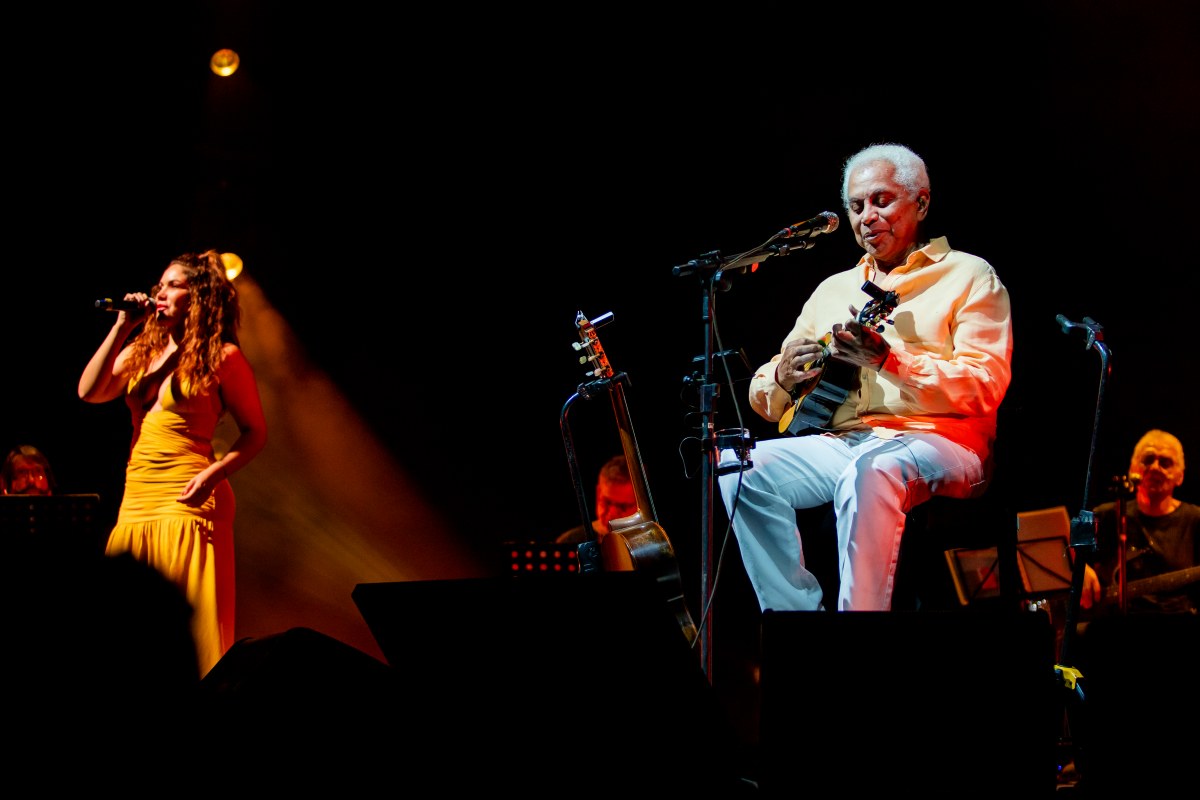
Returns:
point(815, 402)
point(637, 542)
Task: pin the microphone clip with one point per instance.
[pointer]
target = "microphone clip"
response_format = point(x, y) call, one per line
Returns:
point(1095, 331)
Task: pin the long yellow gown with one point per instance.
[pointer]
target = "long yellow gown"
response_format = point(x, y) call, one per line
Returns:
point(191, 546)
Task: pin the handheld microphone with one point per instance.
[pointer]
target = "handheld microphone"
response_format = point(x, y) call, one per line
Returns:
point(1135, 478)
point(109, 304)
point(825, 222)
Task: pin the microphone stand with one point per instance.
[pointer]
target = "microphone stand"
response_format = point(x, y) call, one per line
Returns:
point(1083, 526)
point(1123, 542)
point(711, 269)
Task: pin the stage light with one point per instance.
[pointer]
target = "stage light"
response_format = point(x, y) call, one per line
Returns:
point(233, 265)
point(224, 62)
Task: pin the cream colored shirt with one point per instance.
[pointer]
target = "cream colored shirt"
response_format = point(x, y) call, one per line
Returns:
point(951, 348)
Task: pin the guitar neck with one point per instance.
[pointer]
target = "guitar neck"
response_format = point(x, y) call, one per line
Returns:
point(633, 456)
point(1166, 582)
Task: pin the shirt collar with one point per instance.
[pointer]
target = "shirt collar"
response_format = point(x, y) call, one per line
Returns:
point(934, 251)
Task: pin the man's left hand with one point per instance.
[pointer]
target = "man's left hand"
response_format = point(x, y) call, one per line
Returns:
point(858, 345)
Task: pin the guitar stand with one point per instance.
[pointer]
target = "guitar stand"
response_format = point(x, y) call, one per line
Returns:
point(588, 551)
point(637, 540)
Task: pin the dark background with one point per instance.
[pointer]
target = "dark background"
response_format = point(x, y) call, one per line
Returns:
point(429, 198)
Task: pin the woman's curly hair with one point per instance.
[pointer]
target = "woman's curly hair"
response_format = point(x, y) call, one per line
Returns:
point(213, 316)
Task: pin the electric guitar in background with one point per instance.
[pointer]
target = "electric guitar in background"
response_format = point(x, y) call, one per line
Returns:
point(1165, 582)
point(816, 401)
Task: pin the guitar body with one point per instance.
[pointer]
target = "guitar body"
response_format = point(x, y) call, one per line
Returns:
point(644, 547)
point(815, 405)
point(815, 408)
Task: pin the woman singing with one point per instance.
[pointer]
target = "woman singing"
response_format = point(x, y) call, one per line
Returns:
point(179, 375)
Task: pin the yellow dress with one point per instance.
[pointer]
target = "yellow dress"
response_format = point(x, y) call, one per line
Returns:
point(191, 546)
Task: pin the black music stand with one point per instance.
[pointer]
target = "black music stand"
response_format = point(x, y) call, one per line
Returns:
point(68, 523)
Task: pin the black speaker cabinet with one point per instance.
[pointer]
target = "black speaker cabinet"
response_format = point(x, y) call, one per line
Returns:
point(961, 704)
point(301, 672)
point(558, 683)
point(300, 711)
point(1139, 724)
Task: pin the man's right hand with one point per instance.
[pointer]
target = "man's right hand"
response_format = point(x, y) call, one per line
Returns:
point(1092, 591)
point(799, 363)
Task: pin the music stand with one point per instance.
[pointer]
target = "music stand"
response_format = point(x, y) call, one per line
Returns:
point(63, 521)
point(976, 573)
point(1043, 560)
point(1044, 549)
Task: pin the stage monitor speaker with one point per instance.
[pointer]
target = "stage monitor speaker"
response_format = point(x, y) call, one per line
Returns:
point(1136, 729)
point(295, 671)
point(935, 703)
point(552, 682)
point(299, 710)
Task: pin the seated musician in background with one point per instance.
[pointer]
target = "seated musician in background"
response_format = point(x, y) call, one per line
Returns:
point(614, 499)
point(1135, 732)
point(918, 417)
point(27, 471)
point(1161, 537)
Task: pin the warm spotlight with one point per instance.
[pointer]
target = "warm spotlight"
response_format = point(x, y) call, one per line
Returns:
point(233, 264)
point(224, 62)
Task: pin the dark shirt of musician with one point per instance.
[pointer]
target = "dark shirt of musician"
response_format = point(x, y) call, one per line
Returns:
point(1161, 554)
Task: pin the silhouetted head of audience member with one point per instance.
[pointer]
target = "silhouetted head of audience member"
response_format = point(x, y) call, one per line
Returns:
point(105, 666)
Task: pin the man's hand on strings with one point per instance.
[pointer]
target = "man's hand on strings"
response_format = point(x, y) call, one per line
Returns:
point(796, 363)
point(858, 345)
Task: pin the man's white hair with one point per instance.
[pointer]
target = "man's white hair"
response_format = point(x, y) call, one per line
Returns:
point(910, 168)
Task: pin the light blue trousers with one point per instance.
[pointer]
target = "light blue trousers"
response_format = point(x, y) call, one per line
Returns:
point(872, 482)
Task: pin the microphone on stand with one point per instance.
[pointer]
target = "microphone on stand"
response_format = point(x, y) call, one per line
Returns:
point(825, 222)
point(1127, 483)
point(109, 304)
